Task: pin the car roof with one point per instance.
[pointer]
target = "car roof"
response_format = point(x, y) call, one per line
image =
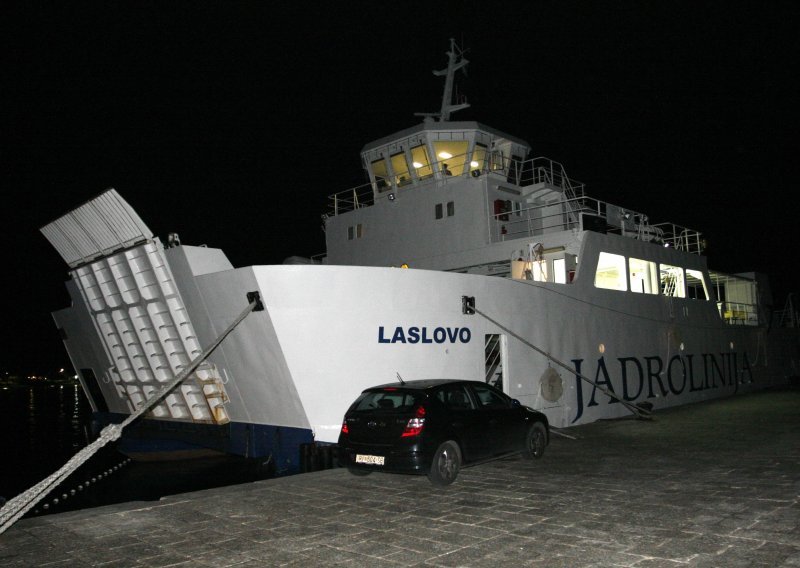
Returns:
point(422, 384)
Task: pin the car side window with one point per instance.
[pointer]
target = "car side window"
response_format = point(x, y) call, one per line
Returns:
point(490, 398)
point(454, 397)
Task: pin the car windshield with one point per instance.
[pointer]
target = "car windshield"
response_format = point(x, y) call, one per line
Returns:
point(387, 399)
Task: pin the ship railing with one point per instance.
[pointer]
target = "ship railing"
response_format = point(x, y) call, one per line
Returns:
point(789, 315)
point(681, 238)
point(566, 215)
point(540, 219)
point(738, 313)
point(522, 173)
point(351, 199)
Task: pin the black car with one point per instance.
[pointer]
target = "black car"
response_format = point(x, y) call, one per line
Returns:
point(434, 427)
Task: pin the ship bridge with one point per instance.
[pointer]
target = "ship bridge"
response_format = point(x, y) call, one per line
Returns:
point(438, 150)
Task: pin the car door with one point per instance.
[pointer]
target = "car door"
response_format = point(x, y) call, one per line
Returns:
point(464, 421)
point(499, 417)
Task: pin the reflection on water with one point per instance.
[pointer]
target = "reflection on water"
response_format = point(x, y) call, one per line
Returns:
point(43, 426)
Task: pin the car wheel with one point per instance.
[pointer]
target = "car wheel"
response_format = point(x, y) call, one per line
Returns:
point(535, 441)
point(358, 472)
point(445, 464)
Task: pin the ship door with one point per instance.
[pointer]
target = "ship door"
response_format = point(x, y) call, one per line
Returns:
point(496, 352)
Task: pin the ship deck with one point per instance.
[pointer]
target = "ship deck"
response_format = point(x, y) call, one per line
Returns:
point(710, 484)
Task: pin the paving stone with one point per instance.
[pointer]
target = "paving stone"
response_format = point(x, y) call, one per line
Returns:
point(677, 491)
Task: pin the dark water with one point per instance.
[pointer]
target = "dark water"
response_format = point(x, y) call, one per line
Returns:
point(43, 426)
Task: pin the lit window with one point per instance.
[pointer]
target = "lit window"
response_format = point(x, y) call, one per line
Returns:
point(381, 174)
point(451, 208)
point(560, 270)
point(478, 158)
point(672, 283)
point(611, 272)
point(421, 163)
point(539, 270)
point(696, 284)
point(400, 168)
point(643, 276)
point(453, 153)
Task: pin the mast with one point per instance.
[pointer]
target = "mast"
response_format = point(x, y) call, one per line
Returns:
point(455, 61)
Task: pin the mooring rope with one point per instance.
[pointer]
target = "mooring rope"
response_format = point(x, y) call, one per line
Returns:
point(14, 509)
point(640, 412)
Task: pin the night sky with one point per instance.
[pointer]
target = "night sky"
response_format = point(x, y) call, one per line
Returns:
point(231, 122)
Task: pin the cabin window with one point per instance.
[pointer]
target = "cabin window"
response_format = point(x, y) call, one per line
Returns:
point(354, 232)
point(560, 270)
point(497, 162)
point(400, 168)
point(451, 155)
point(672, 282)
point(451, 208)
point(643, 276)
point(611, 273)
point(478, 161)
point(421, 162)
point(696, 285)
point(439, 214)
point(539, 270)
point(381, 174)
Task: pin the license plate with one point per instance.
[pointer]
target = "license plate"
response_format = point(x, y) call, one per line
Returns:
point(373, 460)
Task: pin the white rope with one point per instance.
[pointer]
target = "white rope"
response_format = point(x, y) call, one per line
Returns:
point(14, 509)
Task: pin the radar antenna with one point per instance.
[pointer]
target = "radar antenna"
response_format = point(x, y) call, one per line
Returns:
point(455, 61)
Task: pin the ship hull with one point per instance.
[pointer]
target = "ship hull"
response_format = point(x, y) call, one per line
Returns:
point(290, 371)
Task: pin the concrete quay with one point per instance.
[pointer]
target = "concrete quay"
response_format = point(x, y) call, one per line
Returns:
point(710, 484)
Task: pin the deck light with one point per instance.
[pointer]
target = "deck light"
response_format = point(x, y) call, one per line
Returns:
point(445, 155)
point(416, 165)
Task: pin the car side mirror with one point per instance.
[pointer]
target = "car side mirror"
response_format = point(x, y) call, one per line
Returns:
point(515, 402)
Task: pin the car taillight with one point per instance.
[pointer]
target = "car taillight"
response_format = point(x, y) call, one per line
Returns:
point(345, 429)
point(415, 424)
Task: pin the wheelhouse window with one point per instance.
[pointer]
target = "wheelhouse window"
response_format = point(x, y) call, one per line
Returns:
point(400, 168)
point(453, 153)
point(672, 281)
point(381, 173)
point(643, 276)
point(478, 161)
point(420, 161)
point(439, 214)
point(611, 273)
point(451, 208)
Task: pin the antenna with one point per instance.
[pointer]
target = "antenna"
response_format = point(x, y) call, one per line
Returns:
point(455, 61)
point(399, 378)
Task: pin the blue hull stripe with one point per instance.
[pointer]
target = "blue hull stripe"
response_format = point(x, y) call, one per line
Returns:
point(279, 443)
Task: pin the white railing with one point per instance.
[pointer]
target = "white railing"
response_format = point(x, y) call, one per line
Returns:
point(681, 238)
point(563, 216)
point(738, 313)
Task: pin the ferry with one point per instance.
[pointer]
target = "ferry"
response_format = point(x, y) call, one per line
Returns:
point(463, 256)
